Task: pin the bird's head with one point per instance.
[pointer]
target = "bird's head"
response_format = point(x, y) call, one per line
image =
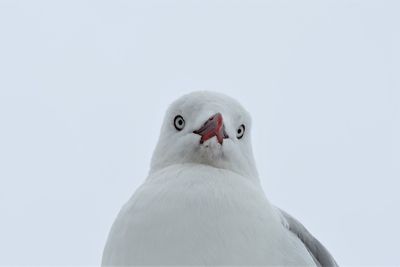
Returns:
point(206, 128)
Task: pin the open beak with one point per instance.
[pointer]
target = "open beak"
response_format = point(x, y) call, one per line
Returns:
point(214, 126)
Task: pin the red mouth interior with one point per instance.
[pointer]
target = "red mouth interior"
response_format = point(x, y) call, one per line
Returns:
point(214, 126)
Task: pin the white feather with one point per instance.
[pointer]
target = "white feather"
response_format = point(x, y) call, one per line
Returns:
point(202, 204)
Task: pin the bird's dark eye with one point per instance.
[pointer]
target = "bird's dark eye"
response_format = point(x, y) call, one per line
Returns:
point(179, 123)
point(240, 131)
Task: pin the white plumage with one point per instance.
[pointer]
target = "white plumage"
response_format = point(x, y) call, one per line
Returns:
point(202, 203)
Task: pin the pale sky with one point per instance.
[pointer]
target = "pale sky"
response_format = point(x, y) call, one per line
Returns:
point(84, 86)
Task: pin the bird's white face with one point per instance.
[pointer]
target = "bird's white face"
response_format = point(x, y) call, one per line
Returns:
point(206, 128)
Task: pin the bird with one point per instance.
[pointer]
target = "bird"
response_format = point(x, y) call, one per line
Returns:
point(202, 202)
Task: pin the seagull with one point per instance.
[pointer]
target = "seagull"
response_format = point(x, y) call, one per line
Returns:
point(202, 202)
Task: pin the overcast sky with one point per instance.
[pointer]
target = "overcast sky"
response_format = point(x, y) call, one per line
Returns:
point(84, 86)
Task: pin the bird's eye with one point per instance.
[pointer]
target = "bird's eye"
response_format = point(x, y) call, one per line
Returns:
point(240, 131)
point(179, 123)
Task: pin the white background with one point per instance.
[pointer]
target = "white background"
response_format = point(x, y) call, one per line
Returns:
point(84, 86)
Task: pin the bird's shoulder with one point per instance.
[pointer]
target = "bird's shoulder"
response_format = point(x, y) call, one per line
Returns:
point(318, 252)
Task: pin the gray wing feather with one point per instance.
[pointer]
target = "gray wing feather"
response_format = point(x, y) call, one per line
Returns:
point(319, 253)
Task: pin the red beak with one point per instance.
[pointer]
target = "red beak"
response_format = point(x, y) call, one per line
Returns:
point(214, 126)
